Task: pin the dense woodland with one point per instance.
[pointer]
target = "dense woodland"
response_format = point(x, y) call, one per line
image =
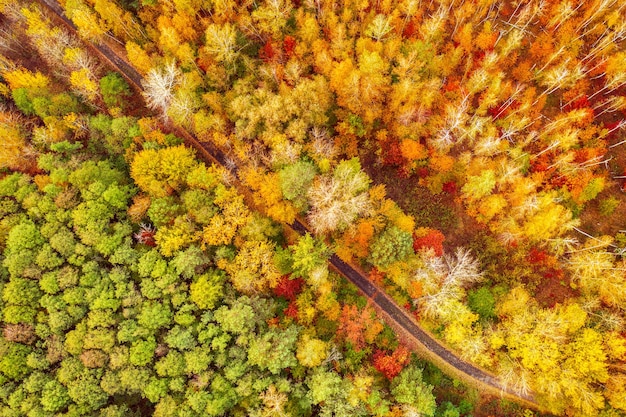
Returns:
point(467, 154)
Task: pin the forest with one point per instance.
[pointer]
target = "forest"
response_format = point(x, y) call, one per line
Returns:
point(465, 156)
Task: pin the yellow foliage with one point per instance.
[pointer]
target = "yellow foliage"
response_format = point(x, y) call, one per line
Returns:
point(327, 303)
point(491, 206)
point(138, 57)
point(12, 146)
point(616, 391)
point(268, 194)
point(396, 216)
point(160, 172)
point(615, 346)
point(22, 78)
point(515, 302)
point(82, 81)
point(586, 356)
point(372, 330)
point(361, 387)
point(41, 181)
point(311, 352)
point(170, 239)
point(220, 231)
point(253, 270)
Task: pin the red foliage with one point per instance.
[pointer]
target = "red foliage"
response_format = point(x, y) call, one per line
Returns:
point(404, 172)
point(433, 239)
point(267, 53)
point(289, 44)
point(450, 187)
point(553, 273)
point(392, 154)
point(422, 172)
point(392, 364)
point(289, 288)
point(145, 235)
point(503, 109)
point(613, 128)
point(409, 30)
point(579, 103)
point(291, 310)
point(536, 256)
point(452, 85)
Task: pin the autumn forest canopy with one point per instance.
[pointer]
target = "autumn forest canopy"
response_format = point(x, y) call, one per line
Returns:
point(468, 157)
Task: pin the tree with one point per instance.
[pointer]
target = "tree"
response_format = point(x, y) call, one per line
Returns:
point(408, 388)
point(358, 326)
point(159, 86)
point(392, 364)
point(274, 350)
point(392, 245)
point(311, 352)
point(253, 269)
point(309, 260)
point(295, 180)
point(114, 90)
point(338, 199)
point(207, 289)
point(160, 172)
point(54, 396)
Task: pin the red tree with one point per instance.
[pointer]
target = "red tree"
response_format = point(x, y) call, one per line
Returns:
point(289, 288)
point(392, 364)
point(432, 239)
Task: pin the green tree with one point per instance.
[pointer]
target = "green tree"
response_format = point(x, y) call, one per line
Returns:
point(115, 90)
point(309, 259)
point(393, 244)
point(295, 180)
point(54, 396)
point(408, 388)
point(274, 350)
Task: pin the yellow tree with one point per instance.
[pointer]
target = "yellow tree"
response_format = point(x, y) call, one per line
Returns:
point(253, 270)
point(161, 172)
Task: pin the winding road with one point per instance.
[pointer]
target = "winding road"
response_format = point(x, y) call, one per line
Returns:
point(421, 340)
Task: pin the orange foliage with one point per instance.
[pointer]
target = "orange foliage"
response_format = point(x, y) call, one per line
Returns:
point(412, 150)
point(429, 238)
point(358, 326)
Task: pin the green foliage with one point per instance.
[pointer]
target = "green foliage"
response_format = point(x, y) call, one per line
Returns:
point(163, 211)
point(308, 256)
point(295, 180)
point(22, 100)
point(142, 351)
point(482, 301)
point(409, 388)
point(593, 188)
point(114, 89)
point(392, 245)
point(155, 315)
point(607, 206)
point(13, 359)
point(274, 350)
point(54, 396)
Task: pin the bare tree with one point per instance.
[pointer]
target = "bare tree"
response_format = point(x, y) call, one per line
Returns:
point(159, 86)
